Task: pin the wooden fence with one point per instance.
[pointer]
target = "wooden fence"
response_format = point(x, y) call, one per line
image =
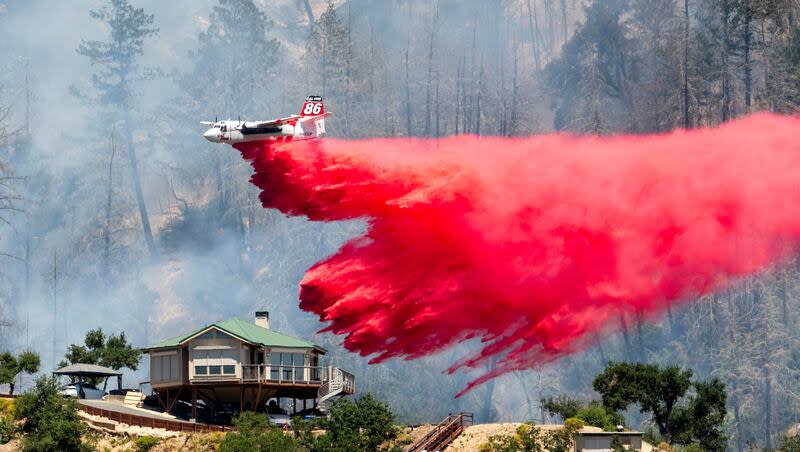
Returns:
point(153, 422)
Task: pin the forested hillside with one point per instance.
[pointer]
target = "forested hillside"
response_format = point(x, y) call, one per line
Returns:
point(116, 213)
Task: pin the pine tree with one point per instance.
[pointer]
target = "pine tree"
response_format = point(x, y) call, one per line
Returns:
point(113, 82)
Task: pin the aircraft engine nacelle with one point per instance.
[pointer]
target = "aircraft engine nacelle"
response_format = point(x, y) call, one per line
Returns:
point(287, 129)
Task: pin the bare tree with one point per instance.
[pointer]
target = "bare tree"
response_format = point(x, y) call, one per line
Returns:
point(107, 228)
point(9, 198)
point(428, 88)
point(535, 34)
point(309, 14)
point(686, 64)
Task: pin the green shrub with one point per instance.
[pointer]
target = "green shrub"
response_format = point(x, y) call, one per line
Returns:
point(405, 440)
point(574, 423)
point(530, 438)
point(145, 443)
point(501, 443)
point(256, 434)
point(7, 407)
point(790, 444)
point(558, 440)
point(7, 429)
point(563, 406)
point(50, 421)
point(652, 436)
point(363, 425)
point(616, 445)
point(692, 448)
point(597, 415)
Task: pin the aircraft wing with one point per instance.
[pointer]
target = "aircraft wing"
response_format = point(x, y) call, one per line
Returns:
point(313, 118)
point(287, 120)
point(276, 122)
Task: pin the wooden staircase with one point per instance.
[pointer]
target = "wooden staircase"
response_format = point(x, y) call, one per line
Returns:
point(443, 434)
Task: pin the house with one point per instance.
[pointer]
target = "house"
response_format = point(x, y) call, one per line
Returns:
point(243, 364)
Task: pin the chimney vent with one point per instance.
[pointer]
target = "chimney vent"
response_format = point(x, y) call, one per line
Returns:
point(262, 319)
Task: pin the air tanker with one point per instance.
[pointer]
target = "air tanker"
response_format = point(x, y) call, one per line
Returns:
point(309, 124)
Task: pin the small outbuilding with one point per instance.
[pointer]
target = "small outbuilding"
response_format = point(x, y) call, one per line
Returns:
point(81, 372)
point(602, 441)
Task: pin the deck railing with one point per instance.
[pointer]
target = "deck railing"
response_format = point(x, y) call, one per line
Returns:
point(284, 374)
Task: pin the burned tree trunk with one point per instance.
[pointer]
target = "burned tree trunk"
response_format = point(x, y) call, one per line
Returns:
point(685, 64)
point(767, 408)
point(309, 14)
point(107, 228)
point(534, 26)
point(748, 42)
point(726, 86)
point(137, 185)
point(459, 87)
point(408, 98)
point(428, 109)
point(487, 412)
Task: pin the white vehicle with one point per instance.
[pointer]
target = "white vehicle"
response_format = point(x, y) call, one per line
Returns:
point(309, 124)
point(82, 391)
point(277, 415)
point(280, 420)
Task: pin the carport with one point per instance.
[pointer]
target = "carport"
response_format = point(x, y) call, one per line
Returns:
point(81, 371)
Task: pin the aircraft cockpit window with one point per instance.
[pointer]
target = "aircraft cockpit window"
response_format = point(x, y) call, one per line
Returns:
point(223, 128)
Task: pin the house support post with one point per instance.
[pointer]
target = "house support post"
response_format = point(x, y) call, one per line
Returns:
point(175, 400)
point(161, 400)
point(194, 404)
point(258, 398)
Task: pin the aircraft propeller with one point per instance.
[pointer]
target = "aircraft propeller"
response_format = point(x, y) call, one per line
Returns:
point(209, 123)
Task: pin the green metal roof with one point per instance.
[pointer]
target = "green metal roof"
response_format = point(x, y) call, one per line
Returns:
point(245, 331)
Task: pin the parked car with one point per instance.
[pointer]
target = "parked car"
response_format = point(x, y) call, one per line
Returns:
point(310, 414)
point(280, 420)
point(224, 414)
point(277, 415)
point(82, 391)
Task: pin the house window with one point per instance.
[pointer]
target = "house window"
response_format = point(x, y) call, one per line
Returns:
point(274, 365)
point(287, 366)
point(215, 362)
point(315, 368)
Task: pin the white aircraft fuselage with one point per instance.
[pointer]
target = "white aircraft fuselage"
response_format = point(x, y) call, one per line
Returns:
point(309, 124)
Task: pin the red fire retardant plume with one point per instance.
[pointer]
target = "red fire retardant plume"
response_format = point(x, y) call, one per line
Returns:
point(534, 245)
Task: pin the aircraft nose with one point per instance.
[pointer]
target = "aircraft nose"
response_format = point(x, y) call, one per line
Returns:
point(211, 135)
